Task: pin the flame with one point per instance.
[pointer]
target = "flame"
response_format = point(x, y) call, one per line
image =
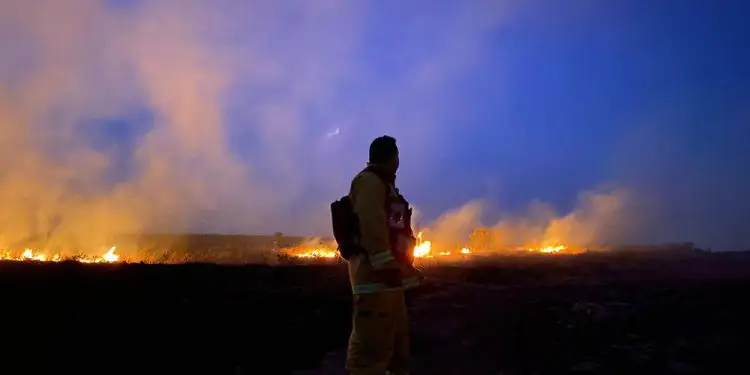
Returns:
point(29, 255)
point(423, 249)
point(551, 249)
point(555, 249)
point(320, 252)
point(110, 256)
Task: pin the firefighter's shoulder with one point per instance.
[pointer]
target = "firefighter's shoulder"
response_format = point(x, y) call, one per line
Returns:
point(367, 180)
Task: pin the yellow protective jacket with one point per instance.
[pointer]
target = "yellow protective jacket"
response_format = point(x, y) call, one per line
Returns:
point(368, 195)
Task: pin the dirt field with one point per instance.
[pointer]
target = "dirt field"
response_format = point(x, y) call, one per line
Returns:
point(593, 314)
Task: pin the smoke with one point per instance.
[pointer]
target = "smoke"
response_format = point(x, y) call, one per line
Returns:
point(173, 116)
point(599, 218)
point(454, 226)
point(85, 62)
point(135, 116)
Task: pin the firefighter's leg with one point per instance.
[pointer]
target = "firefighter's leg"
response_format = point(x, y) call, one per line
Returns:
point(401, 358)
point(372, 338)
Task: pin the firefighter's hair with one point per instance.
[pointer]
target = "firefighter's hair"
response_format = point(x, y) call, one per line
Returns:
point(382, 149)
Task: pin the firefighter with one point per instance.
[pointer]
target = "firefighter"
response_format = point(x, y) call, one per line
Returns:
point(379, 342)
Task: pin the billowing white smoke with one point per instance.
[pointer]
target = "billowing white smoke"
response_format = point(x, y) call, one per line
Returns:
point(598, 218)
point(129, 116)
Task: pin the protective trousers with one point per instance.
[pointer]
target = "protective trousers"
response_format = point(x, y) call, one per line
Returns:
point(380, 335)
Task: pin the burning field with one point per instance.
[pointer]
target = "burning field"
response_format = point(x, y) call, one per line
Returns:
point(311, 250)
point(121, 119)
point(425, 253)
point(584, 312)
point(29, 255)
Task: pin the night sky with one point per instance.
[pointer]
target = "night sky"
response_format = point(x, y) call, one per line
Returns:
point(268, 106)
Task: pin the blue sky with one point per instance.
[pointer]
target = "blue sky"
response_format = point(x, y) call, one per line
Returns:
point(213, 116)
point(649, 95)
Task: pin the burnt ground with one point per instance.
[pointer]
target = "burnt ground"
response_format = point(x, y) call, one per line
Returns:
point(591, 314)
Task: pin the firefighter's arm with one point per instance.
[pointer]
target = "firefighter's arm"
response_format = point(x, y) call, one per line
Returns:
point(368, 195)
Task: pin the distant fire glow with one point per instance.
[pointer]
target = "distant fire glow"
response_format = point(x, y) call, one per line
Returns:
point(425, 249)
point(313, 253)
point(30, 255)
point(422, 249)
point(551, 249)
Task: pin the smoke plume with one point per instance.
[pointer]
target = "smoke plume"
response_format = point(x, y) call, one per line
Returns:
point(174, 116)
point(599, 218)
point(135, 116)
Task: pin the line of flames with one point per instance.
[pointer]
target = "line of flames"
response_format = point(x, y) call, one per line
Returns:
point(110, 256)
point(423, 249)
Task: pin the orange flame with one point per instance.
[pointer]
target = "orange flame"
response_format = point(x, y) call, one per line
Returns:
point(316, 253)
point(423, 249)
point(551, 249)
point(312, 252)
point(29, 255)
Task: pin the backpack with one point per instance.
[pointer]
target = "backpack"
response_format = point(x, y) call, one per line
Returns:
point(346, 227)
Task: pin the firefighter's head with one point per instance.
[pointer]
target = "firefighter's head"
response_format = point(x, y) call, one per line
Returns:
point(384, 153)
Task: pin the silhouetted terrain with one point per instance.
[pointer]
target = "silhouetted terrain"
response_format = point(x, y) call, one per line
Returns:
point(589, 314)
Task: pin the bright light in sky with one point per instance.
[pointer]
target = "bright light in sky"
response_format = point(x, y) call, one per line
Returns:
point(333, 133)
